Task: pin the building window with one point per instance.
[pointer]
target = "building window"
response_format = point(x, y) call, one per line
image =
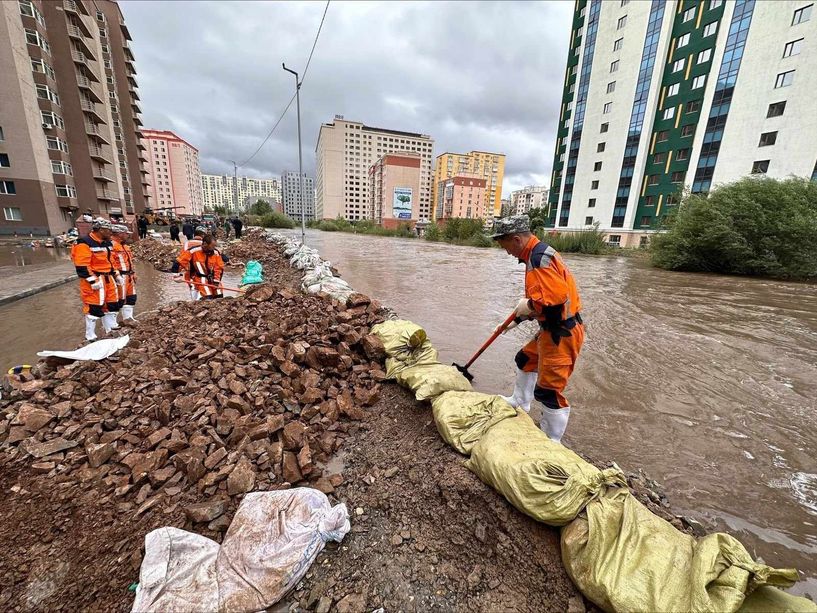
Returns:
point(678, 65)
point(669, 113)
point(614, 240)
point(591, 203)
point(600, 147)
point(624, 3)
point(12, 213)
point(687, 130)
point(784, 79)
point(649, 201)
point(776, 109)
point(673, 89)
point(61, 168)
point(7, 189)
point(683, 41)
point(604, 128)
point(683, 154)
point(46, 93)
point(594, 185)
point(607, 107)
point(35, 38)
point(689, 14)
point(760, 167)
point(767, 139)
point(802, 14)
point(713, 4)
point(659, 158)
point(588, 221)
point(652, 180)
point(645, 221)
point(596, 166)
point(704, 56)
point(693, 106)
point(611, 87)
point(793, 48)
point(622, 21)
point(698, 81)
point(617, 45)
point(663, 135)
point(678, 176)
point(614, 66)
point(710, 28)
point(51, 119)
point(66, 191)
point(2, 136)
point(4, 160)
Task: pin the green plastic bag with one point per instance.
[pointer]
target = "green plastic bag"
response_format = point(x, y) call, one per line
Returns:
point(428, 381)
point(253, 273)
point(624, 558)
point(541, 478)
point(463, 417)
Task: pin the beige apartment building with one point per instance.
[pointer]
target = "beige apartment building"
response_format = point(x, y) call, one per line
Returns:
point(394, 184)
point(220, 191)
point(527, 198)
point(174, 173)
point(69, 116)
point(488, 166)
point(462, 196)
point(345, 152)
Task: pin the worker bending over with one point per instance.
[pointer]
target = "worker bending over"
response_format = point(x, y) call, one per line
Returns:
point(551, 298)
point(93, 259)
point(205, 267)
point(123, 261)
point(188, 244)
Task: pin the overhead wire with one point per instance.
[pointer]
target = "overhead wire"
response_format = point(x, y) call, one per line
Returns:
point(291, 100)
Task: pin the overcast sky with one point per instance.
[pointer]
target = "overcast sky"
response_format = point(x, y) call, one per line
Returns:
point(472, 75)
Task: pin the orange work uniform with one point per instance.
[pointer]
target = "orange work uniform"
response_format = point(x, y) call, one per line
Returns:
point(554, 298)
point(203, 269)
point(123, 261)
point(93, 260)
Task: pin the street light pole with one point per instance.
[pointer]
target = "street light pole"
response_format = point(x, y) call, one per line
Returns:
point(300, 159)
point(235, 187)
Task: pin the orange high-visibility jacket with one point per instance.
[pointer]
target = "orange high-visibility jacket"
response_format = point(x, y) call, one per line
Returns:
point(203, 268)
point(92, 257)
point(122, 257)
point(177, 265)
point(549, 285)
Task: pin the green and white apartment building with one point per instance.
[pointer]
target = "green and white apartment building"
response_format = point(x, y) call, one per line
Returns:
point(662, 96)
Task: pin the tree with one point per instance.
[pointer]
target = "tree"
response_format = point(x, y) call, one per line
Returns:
point(538, 218)
point(755, 226)
point(261, 207)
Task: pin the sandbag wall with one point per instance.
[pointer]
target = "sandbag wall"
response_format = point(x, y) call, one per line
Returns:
point(617, 552)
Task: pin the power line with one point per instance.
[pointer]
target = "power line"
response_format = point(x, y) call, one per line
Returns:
point(291, 100)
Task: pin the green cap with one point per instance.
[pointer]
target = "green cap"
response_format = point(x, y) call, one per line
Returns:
point(511, 225)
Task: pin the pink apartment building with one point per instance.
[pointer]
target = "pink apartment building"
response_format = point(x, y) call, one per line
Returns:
point(174, 173)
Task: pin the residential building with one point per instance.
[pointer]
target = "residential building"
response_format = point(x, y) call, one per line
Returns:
point(505, 207)
point(69, 120)
point(489, 166)
point(290, 181)
point(345, 152)
point(394, 185)
point(660, 97)
point(462, 196)
point(174, 172)
point(220, 190)
point(527, 198)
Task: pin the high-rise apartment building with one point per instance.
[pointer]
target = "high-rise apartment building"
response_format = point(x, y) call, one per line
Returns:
point(394, 184)
point(527, 198)
point(291, 190)
point(345, 152)
point(462, 196)
point(489, 166)
point(174, 173)
point(69, 115)
point(220, 190)
point(683, 94)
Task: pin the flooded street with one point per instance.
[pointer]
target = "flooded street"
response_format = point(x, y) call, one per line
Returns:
point(708, 383)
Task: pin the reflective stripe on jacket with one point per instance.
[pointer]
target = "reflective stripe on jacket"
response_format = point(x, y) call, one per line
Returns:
point(548, 283)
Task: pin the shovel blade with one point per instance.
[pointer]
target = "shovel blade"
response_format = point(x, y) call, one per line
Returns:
point(464, 371)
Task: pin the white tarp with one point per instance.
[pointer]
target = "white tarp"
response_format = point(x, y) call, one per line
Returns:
point(270, 544)
point(98, 350)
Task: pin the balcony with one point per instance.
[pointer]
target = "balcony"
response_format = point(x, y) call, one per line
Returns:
point(99, 154)
point(85, 84)
point(93, 131)
point(137, 121)
point(102, 176)
point(142, 157)
point(133, 94)
point(79, 57)
point(128, 54)
point(104, 194)
point(135, 107)
point(71, 6)
point(132, 82)
point(125, 32)
point(90, 107)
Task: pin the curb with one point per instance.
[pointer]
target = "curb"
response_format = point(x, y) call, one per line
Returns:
point(36, 290)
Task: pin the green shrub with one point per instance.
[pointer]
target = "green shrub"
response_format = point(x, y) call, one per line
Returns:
point(433, 232)
point(461, 230)
point(585, 241)
point(755, 226)
point(479, 240)
point(261, 208)
point(277, 220)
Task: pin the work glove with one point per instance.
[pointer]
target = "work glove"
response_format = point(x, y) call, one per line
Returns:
point(178, 278)
point(97, 284)
point(523, 309)
point(120, 281)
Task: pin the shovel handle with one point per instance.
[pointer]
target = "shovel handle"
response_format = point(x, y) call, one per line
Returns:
point(229, 289)
point(492, 338)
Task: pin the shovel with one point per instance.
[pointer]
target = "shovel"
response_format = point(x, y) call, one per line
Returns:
point(497, 332)
point(229, 289)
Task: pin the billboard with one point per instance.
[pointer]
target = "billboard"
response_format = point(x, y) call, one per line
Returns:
point(401, 205)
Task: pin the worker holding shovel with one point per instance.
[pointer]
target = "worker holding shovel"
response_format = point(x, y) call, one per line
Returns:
point(551, 298)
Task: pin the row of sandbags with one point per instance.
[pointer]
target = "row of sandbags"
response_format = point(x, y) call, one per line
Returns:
point(619, 554)
point(318, 276)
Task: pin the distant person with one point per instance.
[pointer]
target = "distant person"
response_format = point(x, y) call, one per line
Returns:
point(227, 226)
point(237, 226)
point(187, 230)
point(88, 216)
point(174, 232)
point(142, 225)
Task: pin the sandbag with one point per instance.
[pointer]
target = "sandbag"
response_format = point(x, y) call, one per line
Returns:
point(624, 558)
point(463, 417)
point(253, 273)
point(765, 599)
point(271, 543)
point(541, 478)
point(428, 381)
point(400, 336)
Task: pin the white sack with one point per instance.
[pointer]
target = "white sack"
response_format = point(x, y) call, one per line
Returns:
point(98, 350)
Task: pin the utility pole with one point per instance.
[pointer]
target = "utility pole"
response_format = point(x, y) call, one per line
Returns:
point(300, 159)
point(235, 186)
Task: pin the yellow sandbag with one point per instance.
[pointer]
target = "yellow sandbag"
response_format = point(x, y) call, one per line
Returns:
point(399, 336)
point(624, 558)
point(541, 478)
point(430, 380)
point(766, 599)
point(425, 354)
point(463, 417)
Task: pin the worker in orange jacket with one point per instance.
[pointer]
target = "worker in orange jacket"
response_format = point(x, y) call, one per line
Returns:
point(123, 261)
point(204, 266)
point(92, 257)
point(552, 299)
point(189, 244)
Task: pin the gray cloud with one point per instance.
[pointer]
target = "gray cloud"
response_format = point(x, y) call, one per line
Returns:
point(472, 75)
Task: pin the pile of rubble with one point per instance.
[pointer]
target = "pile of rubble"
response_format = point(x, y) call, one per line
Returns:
point(209, 400)
point(160, 254)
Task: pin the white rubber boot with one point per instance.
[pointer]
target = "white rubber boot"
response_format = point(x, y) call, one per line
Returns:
point(554, 423)
point(109, 322)
point(127, 312)
point(90, 327)
point(522, 390)
point(194, 294)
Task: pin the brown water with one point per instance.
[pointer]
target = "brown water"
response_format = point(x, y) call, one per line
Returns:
point(707, 382)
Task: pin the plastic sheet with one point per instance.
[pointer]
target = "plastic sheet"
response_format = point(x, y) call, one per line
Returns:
point(253, 273)
point(462, 418)
point(98, 350)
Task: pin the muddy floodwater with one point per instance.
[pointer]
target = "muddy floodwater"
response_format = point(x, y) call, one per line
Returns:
point(707, 382)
